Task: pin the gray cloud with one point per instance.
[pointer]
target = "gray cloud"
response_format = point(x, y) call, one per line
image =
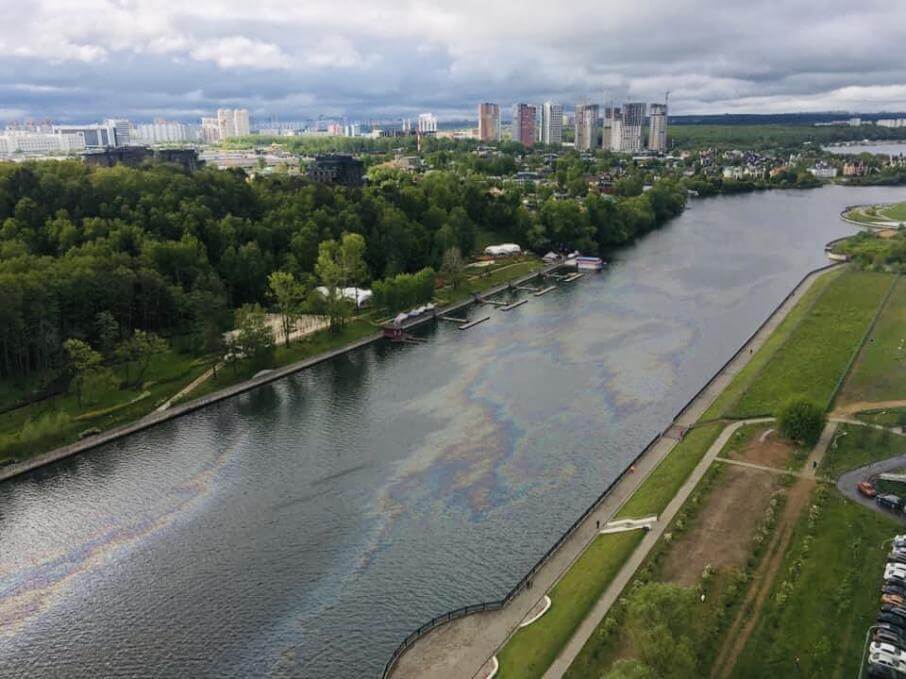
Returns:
point(361, 58)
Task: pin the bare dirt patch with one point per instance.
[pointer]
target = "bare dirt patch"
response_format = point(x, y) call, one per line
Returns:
point(773, 451)
point(744, 624)
point(723, 530)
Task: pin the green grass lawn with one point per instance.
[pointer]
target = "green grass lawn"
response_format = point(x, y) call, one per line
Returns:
point(818, 351)
point(890, 417)
point(655, 493)
point(825, 595)
point(857, 446)
point(879, 373)
point(731, 395)
point(896, 212)
point(58, 421)
point(532, 649)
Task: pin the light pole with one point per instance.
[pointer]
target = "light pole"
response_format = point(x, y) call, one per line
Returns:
point(865, 649)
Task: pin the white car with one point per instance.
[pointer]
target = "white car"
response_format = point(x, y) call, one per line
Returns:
point(887, 655)
point(895, 569)
point(899, 541)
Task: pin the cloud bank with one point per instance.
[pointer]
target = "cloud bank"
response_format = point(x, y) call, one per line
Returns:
point(80, 59)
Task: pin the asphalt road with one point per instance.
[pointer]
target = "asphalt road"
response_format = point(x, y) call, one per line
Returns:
point(846, 484)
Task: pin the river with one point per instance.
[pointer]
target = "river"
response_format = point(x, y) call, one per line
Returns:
point(303, 529)
point(880, 148)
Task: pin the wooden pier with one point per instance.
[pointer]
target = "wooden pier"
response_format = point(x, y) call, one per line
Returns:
point(527, 288)
point(492, 301)
point(453, 319)
point(545, 291)
point(514, 305)
point(468, 325)
point(573, 277)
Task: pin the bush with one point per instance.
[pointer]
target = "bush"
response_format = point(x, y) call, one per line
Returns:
point(802, 420)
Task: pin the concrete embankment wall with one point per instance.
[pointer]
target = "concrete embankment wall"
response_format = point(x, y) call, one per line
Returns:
point(155, 418)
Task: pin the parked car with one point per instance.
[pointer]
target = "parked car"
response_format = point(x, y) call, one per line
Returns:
point(890, 501)
point(891, 619)
point(866, 488)
point(897, 557)
point(891, 588)
point(892, 599)
point(887, 655)
point(899, 541)
point(888, 636)
point(895, 569)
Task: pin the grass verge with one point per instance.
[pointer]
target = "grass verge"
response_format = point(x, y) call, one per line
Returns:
point(879, 373)
point(857, 446)
point(663, 483)
point(812, 361)
point(532, 649)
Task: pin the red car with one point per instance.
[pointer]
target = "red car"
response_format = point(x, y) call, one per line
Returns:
point(867, 489)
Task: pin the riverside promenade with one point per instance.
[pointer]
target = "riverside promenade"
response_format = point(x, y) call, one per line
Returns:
point(464, 647)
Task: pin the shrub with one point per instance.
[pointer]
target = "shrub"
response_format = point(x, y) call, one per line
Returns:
point(802, 420)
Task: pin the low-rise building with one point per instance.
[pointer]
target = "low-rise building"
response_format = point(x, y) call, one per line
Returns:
point(338, 169)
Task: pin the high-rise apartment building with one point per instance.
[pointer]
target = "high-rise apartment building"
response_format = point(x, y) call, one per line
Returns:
point(524, 124)
point(657, 128)
point(586, 126)
point(232, 123)
point(551, 123)
point(427, 123)
point(631, 127)
point(607, 129)
point(488, 122)
point(210, 130)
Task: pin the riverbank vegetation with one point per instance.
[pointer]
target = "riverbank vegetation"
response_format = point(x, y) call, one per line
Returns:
point(874, 251)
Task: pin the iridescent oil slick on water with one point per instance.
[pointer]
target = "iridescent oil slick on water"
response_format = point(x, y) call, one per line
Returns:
point(302, 530)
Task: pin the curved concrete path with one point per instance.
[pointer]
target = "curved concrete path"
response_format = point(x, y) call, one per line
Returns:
point(848, 481)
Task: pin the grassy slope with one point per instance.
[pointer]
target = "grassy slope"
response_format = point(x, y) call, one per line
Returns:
point(857, 446)
point(818, 351)
point(731, 395)
point(879, 373)
point(663, 483)
point(532, 649)
point(166, 374)
point(895, 212)
point(892, 417)
point(832, 601)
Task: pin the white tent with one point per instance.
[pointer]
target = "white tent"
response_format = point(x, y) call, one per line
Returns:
point(503, 250)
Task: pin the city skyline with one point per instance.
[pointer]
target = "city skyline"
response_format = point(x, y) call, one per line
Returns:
point(141, 60)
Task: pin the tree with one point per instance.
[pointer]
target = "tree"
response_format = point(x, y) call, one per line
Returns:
point(253, 338)
point(352, 260)
point(329, 268)
point(453, 266)
point(82, 361)
point(658, 620)
point(802, 420)
point(108, 331)
point(290, 296)
point(140, 349)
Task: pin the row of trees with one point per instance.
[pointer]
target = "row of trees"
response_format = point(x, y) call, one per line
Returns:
point(405, 290)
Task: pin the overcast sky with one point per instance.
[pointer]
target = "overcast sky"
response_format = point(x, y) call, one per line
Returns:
point(81, 59)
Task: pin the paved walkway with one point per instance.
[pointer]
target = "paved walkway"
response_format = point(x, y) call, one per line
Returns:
point(459, 649)
point(593, 619)
point(807, 474)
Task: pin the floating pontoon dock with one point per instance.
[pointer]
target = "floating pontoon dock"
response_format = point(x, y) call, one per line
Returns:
point(513, 305)
point(468, 325)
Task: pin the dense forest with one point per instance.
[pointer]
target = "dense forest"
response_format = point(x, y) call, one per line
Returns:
point(169, 252)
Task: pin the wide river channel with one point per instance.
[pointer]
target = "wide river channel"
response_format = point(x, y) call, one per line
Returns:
point(303, 529)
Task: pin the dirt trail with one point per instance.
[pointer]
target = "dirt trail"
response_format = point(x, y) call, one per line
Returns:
point(763, 579)
point(750, 611)
point(859, 406)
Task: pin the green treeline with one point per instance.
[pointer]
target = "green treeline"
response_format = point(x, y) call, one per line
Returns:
point(173, 253)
